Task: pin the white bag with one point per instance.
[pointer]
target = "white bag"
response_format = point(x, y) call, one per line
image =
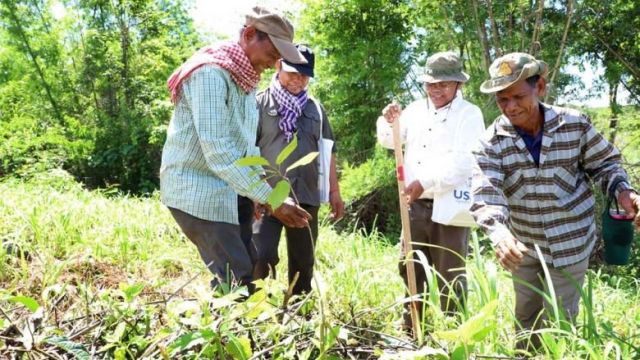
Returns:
point(324, 160)
point(452, 207)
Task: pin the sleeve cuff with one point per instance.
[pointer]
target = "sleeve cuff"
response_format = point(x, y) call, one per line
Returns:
point(261, 193)
point(622, 186)
point(499, 234)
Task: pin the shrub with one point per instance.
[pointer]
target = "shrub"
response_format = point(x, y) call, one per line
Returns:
point(370, 192)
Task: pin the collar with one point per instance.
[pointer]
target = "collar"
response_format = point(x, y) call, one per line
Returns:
point(552, 121)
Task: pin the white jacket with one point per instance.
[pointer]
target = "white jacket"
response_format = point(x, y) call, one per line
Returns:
point(438, 142)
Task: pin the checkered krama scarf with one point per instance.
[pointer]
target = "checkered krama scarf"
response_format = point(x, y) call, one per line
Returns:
point(228, 55)
point(289, 107)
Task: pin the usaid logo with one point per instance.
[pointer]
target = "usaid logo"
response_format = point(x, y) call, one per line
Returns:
point(461, 195)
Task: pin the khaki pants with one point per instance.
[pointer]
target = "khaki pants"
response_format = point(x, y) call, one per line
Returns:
point(449, 263)
point(530, 305)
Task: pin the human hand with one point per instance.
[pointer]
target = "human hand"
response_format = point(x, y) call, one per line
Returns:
point(392, 112)
point(630, 202)
point(510, 253)
point(292, 215)
point(337, 206)
point(413, 191)
point(260, 209)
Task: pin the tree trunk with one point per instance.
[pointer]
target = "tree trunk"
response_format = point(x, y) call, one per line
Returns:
point(482, 34)
point(633, 69)
point(615, 110)
point(511, 24)
point(450, 34)
point(556, 68)
point(12, 12)
point(125, 46)
point(523, 27)
point(535, 40)
point(494, 29)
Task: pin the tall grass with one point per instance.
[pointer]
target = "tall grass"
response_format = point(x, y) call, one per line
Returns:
point(105, 276)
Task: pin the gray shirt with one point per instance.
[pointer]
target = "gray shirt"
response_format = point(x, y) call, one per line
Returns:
point(271, 141)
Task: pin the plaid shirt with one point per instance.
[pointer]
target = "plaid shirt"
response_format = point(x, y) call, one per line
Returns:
point(551, 205)
point(214, 124)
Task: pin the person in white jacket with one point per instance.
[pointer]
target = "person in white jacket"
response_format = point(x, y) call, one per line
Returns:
point(439, 133)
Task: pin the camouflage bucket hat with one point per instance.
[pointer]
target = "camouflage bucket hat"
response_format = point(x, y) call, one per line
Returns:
point(444, 66)
point(511, 68)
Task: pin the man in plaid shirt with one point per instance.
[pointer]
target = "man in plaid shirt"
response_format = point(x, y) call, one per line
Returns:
point(214, 125)
point(535, 165)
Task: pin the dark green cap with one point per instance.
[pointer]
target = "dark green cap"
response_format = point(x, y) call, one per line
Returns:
point(444, 66)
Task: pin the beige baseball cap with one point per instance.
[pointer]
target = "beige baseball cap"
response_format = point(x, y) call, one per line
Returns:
point(280, 32)
point(510, 68)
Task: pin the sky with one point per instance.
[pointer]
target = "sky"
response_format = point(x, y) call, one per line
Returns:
point(226, 17)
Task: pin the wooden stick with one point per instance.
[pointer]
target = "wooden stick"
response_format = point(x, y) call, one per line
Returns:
point(406, 232)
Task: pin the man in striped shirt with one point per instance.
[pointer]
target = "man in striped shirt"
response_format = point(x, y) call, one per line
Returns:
point(214, 125)
point(536, 163)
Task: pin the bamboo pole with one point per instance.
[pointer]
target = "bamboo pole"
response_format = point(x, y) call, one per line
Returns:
point(406, 232)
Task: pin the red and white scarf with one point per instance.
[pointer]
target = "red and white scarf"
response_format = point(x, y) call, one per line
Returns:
point(228, 55)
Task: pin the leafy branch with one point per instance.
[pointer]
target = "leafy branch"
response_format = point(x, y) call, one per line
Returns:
point(283, 187)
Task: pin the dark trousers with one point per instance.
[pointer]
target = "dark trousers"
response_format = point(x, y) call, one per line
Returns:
point(449, 263)
point(225, 248)
point(300, 249)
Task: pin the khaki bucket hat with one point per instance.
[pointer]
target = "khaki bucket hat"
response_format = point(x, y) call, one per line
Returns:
point(444, 66)
point(511, 68)
point(280, 32)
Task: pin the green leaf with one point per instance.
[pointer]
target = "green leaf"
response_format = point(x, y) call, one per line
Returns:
point(185, 342)
point(239, 348)
point(73, 348)
point(130, 292)
point(29, 303)
point(303, 161)
point(475, 329)
point(279, 194)
point(117, 334)
point(252, 161)
point(284, 154)
point(460, 353)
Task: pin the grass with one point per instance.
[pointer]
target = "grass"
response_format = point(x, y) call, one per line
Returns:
point(104, 276)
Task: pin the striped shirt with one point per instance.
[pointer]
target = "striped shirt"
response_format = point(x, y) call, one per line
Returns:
point(550, 205)
point(213, 125)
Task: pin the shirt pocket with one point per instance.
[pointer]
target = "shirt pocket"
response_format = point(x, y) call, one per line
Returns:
point(309, 126)
point(514, 186)
point(564, 180)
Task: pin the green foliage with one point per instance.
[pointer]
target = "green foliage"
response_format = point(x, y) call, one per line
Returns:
point(607, 34)
point(29, 146)
point(279, 194)
point(63, 342)
point(370, 191)
point(89, 272)
point(362, 62)
point(284, 154)
point(282, 189)
point(94, 83)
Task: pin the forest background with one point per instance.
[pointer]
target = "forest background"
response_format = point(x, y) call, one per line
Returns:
point(84, 89)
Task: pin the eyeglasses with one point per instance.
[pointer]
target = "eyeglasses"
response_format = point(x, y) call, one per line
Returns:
point(443, 85)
